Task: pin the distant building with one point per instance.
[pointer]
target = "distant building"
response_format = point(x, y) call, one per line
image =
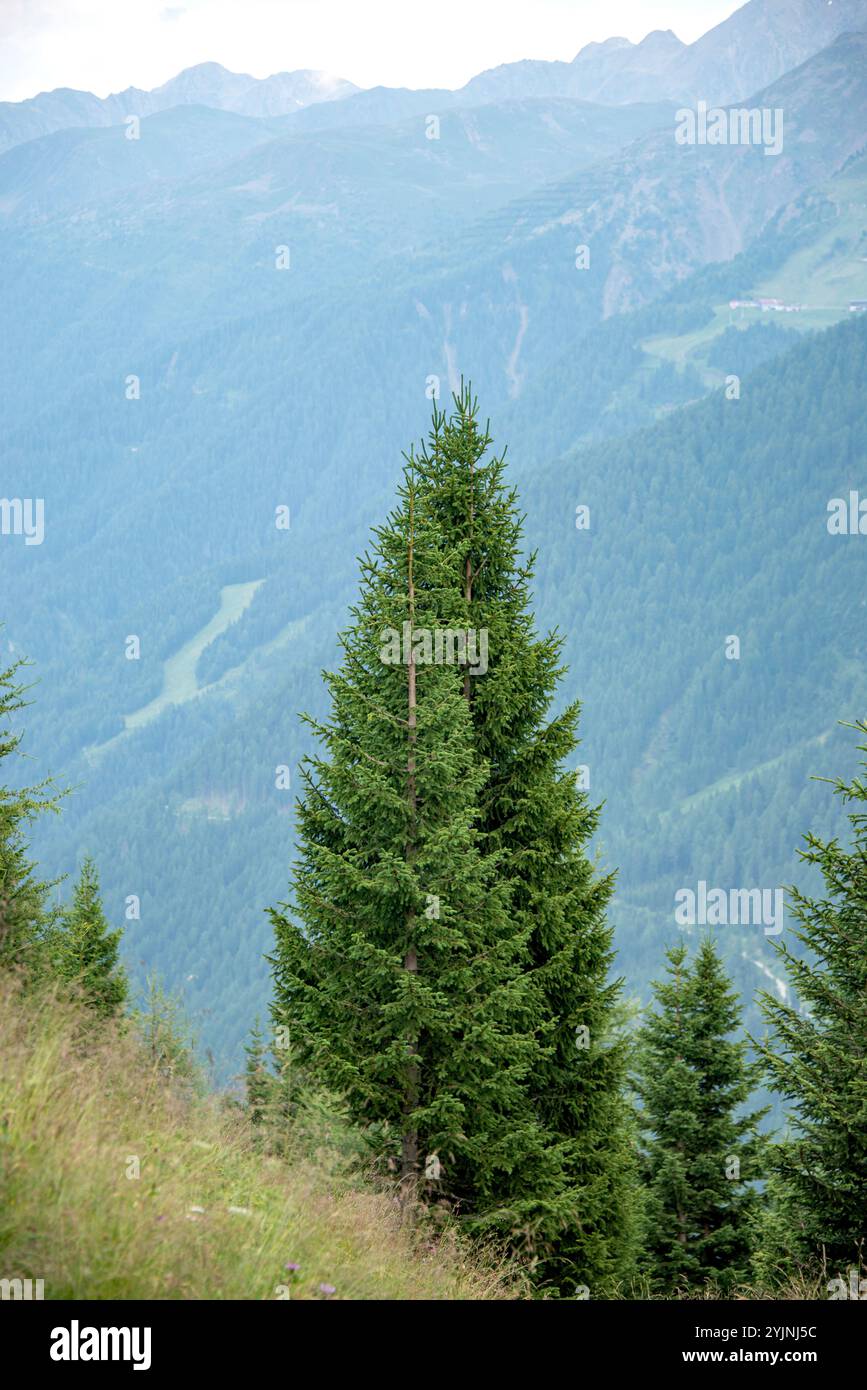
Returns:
point(776, 305)
point(858, 306)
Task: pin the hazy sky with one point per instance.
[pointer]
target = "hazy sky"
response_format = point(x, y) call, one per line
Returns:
point(106, 45)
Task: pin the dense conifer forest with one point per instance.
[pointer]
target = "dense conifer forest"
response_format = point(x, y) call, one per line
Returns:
point(433, 664)
point(443, 990)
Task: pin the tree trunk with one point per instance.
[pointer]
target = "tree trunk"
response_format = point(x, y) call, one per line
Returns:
point(409, 1140)
point(468, 575)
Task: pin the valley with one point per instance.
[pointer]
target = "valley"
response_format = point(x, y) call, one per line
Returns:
point(414, 262)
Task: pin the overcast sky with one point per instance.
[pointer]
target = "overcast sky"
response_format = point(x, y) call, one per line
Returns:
point(104, 46)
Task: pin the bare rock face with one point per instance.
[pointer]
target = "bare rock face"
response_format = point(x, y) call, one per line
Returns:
point(749, 50)
point(760, 42)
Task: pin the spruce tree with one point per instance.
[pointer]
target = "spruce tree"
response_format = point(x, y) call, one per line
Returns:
point(400, 974)
point(816, 1057)
point(538, 822)
point(165, 1033)
point(702, 1151)
point(24, 915)
point(86, 950)
point(258, 1078)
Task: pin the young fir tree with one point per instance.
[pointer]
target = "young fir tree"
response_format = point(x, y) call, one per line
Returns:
point(24, 916)
point(165, 1033)
point(817, 1055)
point(86, 951)
point(258, 1078)
point(402, 982)
point(702, 1152)
point(538, 822)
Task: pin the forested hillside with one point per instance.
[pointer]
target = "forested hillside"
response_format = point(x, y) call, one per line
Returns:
point(702, 527)
point(433, 674)
point(237, 314)
point(708, 524)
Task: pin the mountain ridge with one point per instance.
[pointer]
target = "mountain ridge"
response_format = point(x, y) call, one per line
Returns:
point(744, 53)
point(413, 261)
point(207, 84)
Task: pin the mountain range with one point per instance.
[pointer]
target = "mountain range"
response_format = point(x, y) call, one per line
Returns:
point(749, 50)
point(253, 304)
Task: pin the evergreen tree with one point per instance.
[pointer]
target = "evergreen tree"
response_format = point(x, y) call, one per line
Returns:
point(817, 1055)
point(86, 951)
point(537, 822)
point(165, 1033)
point(780, 1253)
point(24, 915)
point(258, 1079)
point(702, 1151)
point(402, 982)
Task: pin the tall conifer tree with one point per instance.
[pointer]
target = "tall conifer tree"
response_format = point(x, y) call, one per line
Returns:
point(538, 822)
point(702, 1152)
point(817, 1054)
point(536, 1141)
point(402, 983)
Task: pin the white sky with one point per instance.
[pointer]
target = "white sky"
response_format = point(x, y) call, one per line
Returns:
point(106, 45)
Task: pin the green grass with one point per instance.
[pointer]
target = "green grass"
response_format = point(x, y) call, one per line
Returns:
point(687, 347)
point(179, 671)
point(116, 1183)
point(832, 270)
point(824, 277)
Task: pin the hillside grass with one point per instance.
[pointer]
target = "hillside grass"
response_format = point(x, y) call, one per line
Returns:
point(118, 1182)
point(180, 681)
point(81, 1112)
point(823, 276)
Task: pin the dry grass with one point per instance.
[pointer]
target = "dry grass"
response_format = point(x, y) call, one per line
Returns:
point(77, 1110)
